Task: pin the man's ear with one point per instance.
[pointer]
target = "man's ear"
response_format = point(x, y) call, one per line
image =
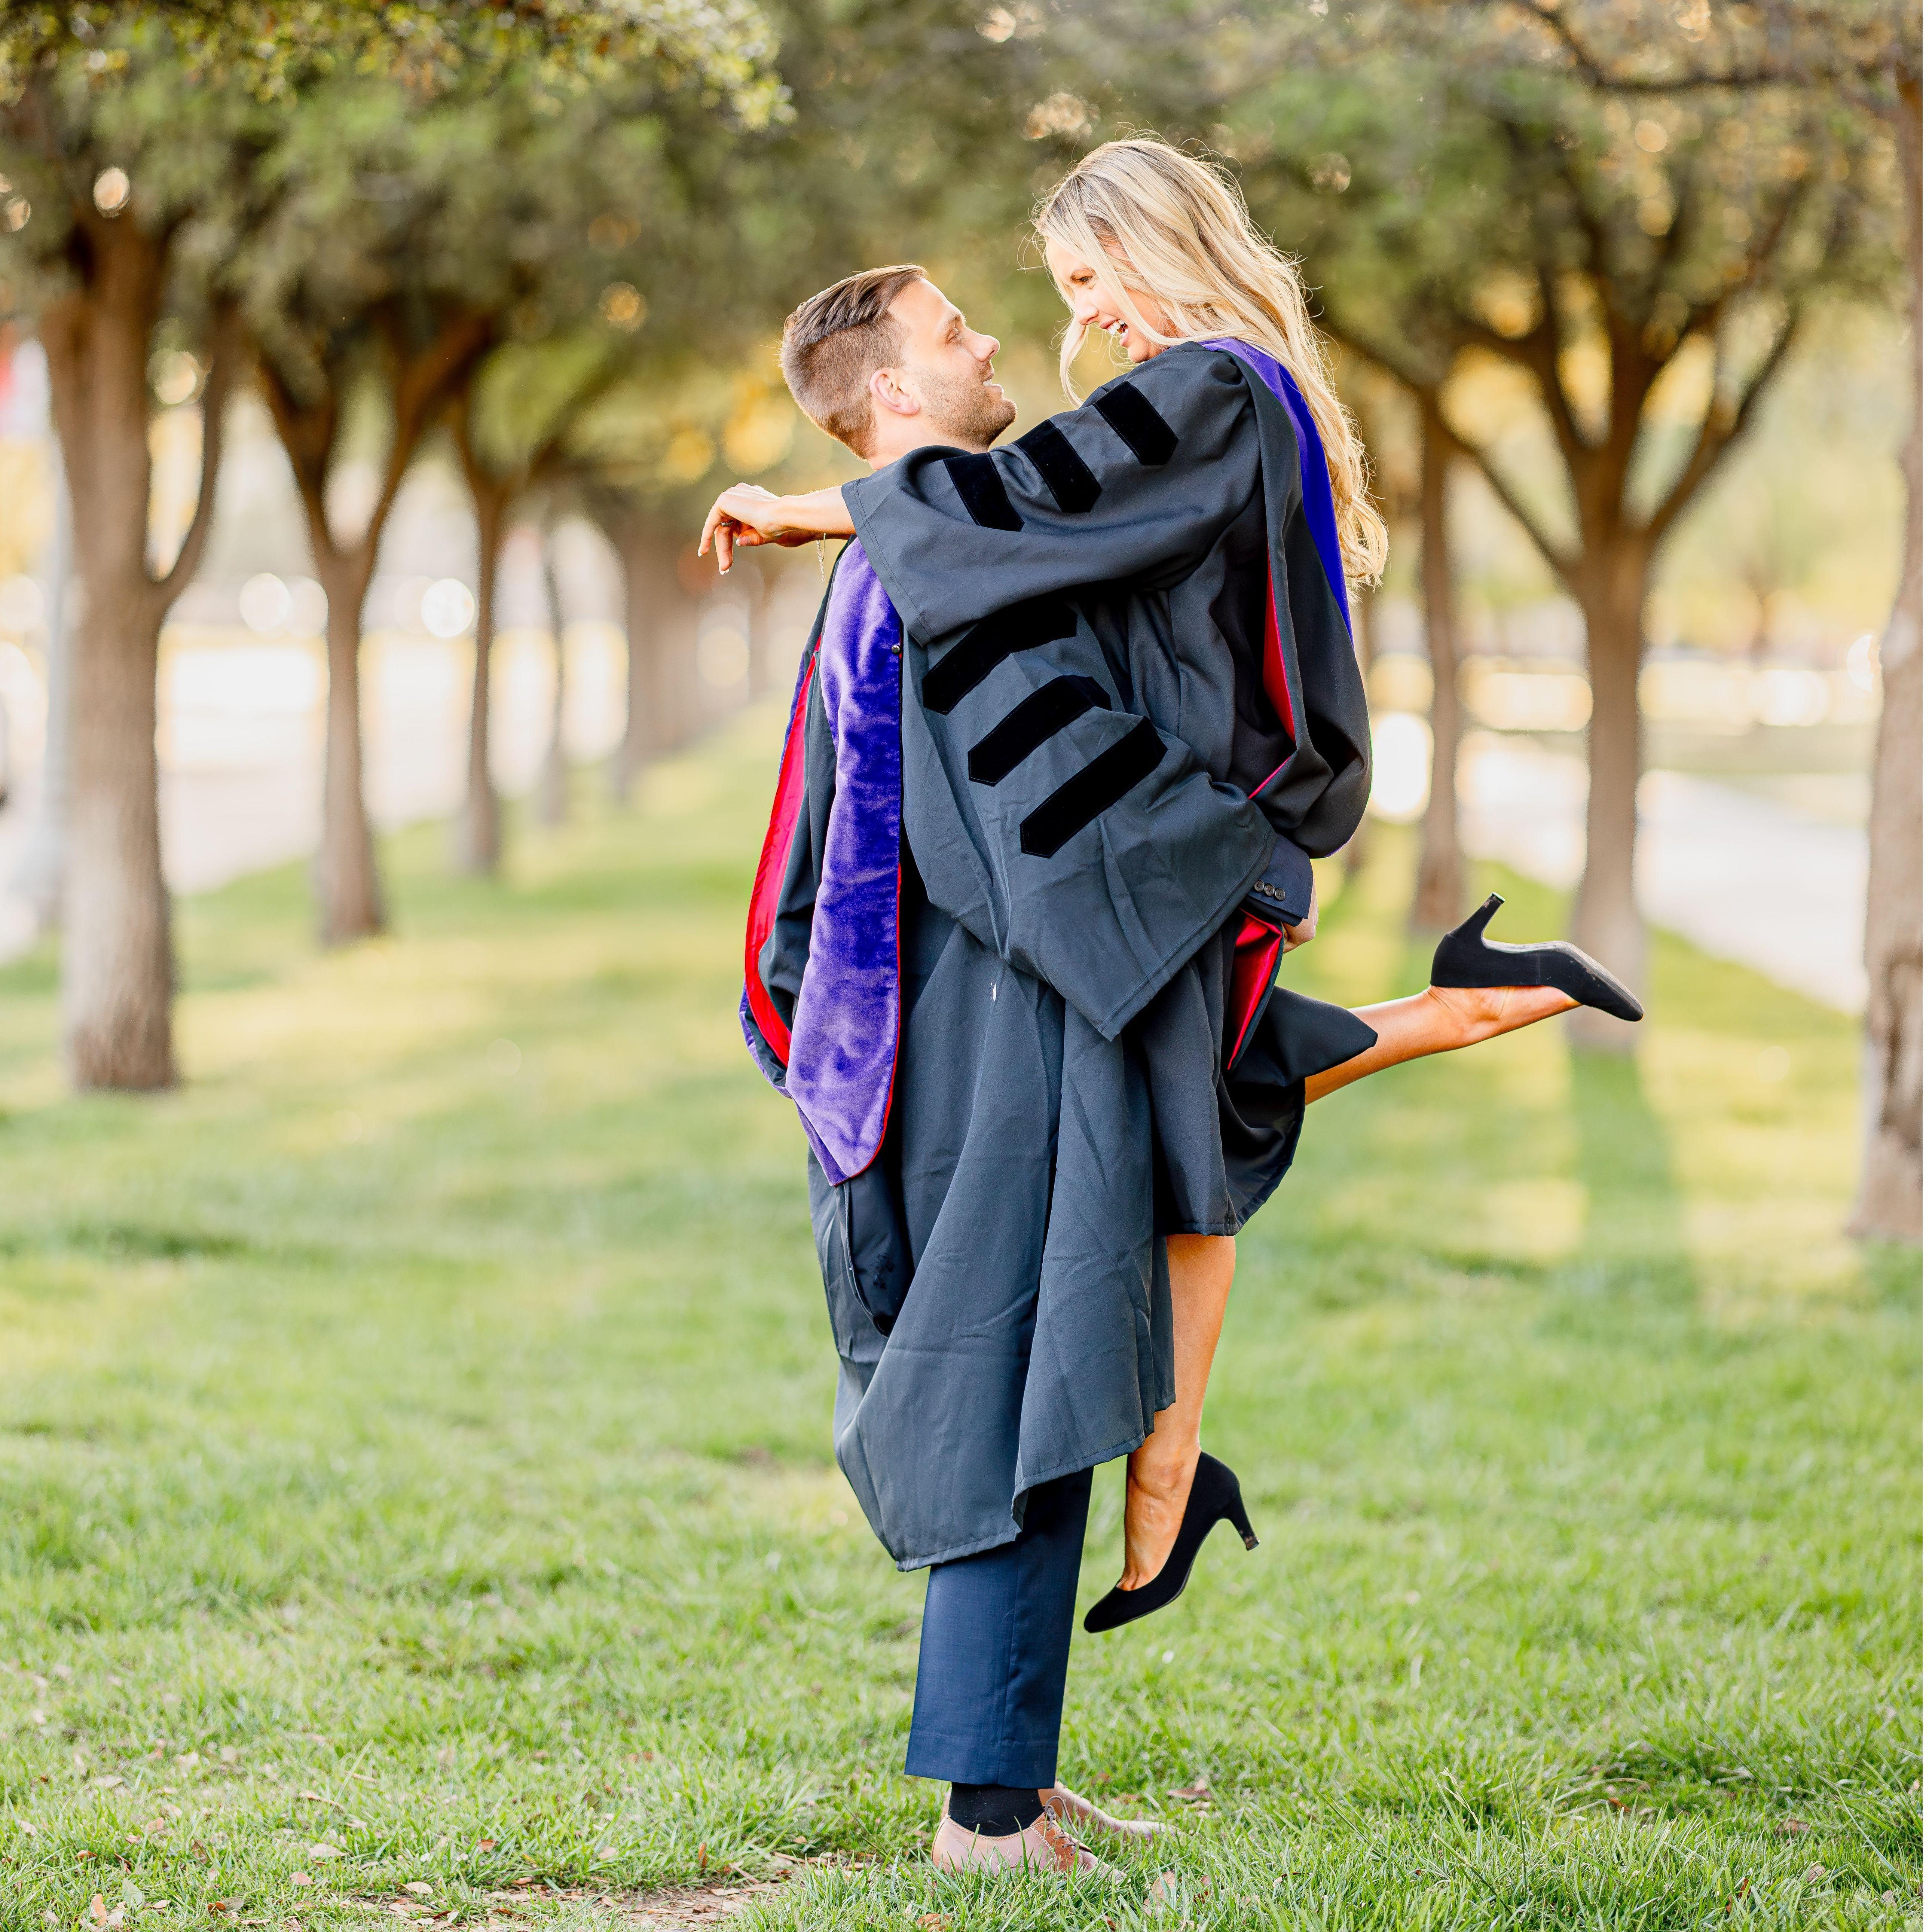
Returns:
point(890, 392)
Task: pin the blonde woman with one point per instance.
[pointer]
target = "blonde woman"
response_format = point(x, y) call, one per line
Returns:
point(1077, 715)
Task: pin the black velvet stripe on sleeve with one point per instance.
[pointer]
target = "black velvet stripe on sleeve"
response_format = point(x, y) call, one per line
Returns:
point(977, 480)
point(1020, 627)
point(1138, 424)
point(1029, 725)
point(1076, 488)
point(1090, 791)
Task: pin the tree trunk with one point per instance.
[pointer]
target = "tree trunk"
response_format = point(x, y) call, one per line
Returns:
point(1610, 585)
point(661, 625)
point(479, 829)
point(117, 969)
point(348, 889)
point(553, 788)
point(1438, 880)
point(1355, 855)
point(1889, 1202)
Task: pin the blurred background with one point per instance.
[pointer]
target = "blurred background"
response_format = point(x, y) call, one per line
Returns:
point(366, 386)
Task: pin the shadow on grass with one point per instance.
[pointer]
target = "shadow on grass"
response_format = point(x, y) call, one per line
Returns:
point(1633, 1252)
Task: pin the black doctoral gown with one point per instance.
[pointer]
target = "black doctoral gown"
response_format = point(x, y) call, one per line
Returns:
point(1128, 712)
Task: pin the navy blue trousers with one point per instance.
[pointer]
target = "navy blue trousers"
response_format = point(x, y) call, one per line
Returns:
point(992, 1650)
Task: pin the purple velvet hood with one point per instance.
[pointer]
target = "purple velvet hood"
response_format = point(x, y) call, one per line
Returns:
point(840, 1052)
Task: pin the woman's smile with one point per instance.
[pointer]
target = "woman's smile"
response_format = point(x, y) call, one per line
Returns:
point(1092, 307)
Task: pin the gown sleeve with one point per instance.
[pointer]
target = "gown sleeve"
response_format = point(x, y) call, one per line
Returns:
point(1075, 840)
point(1135, 485)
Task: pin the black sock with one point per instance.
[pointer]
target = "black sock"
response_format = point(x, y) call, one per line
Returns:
point(998, 1810)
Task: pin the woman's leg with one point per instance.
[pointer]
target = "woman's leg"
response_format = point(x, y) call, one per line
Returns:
point(1160, 1472)
point(1438, 1020)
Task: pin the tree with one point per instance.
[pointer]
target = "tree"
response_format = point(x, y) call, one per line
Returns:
point(1643, 273)
point(553, 781)
point(511, 434)
point(310, 372)
point(116, 156)
point(1872, 54)
point(503, 209)
point(136, 138)
point(907, 132)
point(1438, 904)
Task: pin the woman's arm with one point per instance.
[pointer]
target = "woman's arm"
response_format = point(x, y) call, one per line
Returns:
point(747, 514)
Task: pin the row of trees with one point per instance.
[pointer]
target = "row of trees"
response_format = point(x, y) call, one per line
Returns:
point(1633, 207)
point(563, 232)
point(546, 227)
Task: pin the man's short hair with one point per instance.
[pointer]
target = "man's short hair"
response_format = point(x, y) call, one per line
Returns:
point(832, 343)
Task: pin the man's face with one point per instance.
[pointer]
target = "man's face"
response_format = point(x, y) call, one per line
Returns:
point(950, 367)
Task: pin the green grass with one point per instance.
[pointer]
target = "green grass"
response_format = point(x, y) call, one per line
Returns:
point(414, 1440)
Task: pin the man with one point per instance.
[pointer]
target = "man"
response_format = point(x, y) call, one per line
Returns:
point(1011, 951)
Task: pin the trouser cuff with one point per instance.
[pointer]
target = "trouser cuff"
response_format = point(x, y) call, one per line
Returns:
point(961, 1757)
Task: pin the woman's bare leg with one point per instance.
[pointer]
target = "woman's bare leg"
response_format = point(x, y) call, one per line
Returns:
point(1201, 1267)
point(1438, 1020)
point(1160, 1472)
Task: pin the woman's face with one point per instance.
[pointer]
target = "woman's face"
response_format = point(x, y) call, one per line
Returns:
point(1094, 307)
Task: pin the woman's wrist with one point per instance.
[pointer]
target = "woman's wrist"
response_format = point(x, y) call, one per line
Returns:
point(824, 511)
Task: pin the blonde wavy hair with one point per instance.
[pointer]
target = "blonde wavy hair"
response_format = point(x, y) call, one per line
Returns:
point(1175, 230)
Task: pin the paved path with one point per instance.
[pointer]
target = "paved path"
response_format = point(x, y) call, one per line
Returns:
point(1744, 877)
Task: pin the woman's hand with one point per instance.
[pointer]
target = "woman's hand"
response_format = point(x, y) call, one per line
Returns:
point(747, 514)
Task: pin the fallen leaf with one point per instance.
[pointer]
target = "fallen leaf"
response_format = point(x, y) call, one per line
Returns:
point(418, 1887)
point(1814, 1872)
point(30, 1829)
point(935, 1921)
point(324, 1849)
point(486, 1844)
point(1199, 1789)
point(119, 1916)
point(1795, 1828)
point(96, 1909)
point(107, 1783)
point(606, 1851)
point(189, 1757)
point(300, 1878)
point(314, 1797)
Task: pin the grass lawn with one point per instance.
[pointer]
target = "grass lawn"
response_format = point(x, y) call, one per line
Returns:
point(415, 1490)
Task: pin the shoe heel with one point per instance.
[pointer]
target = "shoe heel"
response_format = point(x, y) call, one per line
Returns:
point(1237, 1513)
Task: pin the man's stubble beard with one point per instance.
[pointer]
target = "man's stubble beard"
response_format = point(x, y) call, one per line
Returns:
point(966, 409)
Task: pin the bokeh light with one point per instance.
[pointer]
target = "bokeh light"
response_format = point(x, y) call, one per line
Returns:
point(449, 609)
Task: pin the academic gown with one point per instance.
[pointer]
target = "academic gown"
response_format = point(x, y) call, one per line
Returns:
point(1073, 719)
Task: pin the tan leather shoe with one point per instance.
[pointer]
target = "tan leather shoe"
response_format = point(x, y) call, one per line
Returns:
point(1042, 1847)
point(1082, 1814)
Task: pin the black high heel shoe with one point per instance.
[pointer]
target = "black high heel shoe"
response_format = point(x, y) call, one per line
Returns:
point(1215, 1494)
point(1466, 958)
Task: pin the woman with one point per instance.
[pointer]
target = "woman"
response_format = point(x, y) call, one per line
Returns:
point(1180, 547)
